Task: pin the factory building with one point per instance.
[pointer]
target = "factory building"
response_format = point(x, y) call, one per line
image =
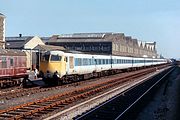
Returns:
point(105, 43)
point(2, 31)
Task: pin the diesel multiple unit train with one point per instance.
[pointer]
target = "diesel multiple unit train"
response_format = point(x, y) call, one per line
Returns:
point(75, 66)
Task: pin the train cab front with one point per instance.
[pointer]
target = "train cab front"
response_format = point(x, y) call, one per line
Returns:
point(52, 67)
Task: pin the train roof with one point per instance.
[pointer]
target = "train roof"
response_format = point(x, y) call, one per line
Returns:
point(12, 52)
point(78, 52)
point(91, 53)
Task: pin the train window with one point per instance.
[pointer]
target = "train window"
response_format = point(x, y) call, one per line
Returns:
point(90, 62)
point(99, 61)
point(79, 61)
point(107, 61)
point(85, 61)
point(55, 58)
point(115, 61)
point(75, 60)
point(19, 62)
point(0, 62)
point(104, 62)
point(95, 61)
point(111, 60)
point(11, 61)
point(4, 62)
point(24, 62)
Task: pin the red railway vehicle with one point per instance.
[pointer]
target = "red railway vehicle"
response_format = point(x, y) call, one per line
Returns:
point(12, 64)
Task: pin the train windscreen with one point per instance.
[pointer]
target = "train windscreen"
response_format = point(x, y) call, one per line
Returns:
point(55, 58)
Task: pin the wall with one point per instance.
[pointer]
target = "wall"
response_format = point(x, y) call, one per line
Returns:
point(2, 31)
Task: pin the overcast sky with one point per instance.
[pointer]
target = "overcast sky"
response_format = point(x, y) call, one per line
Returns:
point(146, 20)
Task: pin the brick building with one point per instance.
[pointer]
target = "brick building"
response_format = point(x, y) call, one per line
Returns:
point(27, 44)
point(105, 43)
point(2, 31)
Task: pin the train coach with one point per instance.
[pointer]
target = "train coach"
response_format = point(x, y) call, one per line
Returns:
point(75, 66)
point(12, 64)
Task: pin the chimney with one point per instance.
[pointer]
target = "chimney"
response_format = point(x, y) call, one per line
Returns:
point(20, 35)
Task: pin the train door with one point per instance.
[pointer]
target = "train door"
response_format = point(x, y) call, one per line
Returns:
point(11, 65)
point(70, 65)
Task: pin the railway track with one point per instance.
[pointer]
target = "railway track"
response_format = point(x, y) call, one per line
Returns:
point(127, 105)
point(37, 108)
point(19, 91)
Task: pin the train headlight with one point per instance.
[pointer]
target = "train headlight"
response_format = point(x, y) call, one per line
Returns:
point(58, 75)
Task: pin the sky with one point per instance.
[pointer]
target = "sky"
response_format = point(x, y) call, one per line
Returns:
point(146, 20)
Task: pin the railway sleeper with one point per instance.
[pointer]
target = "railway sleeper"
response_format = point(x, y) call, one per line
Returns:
point(35, 106)
point(28, 108)
point(6, 115)
point(50, 109)
point(22, 110)
point(14, 112)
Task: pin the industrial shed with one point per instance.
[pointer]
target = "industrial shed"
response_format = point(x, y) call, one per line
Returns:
point(27, 44)
point(105, 43)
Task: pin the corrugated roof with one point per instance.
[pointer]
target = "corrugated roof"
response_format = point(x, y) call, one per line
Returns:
point(83, 35)
point(49, 47)
point(78, 40)
point(11, 52)
point(17, 42)
point(45, 39)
